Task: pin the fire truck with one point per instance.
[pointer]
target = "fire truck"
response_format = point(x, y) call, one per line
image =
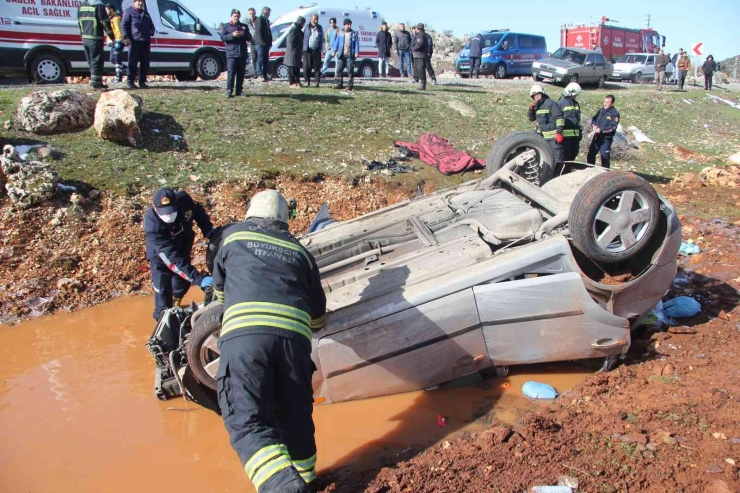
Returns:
point(613, 41)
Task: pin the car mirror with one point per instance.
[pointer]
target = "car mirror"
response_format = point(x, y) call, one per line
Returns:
point(588, 64)
point(197, 26)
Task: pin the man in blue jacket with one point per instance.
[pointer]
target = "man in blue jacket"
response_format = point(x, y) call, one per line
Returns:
point(235, 36)
point(329, 37)
point(138, 30)
point(346, 47)
point(313, 40)
point(605, 124)
point(168, 226)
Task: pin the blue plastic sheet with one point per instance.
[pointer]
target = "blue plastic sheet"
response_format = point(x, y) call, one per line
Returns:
point(681, 307)
point(689, 249)
point(537, 390)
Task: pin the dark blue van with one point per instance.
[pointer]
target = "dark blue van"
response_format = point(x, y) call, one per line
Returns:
point(504, 53)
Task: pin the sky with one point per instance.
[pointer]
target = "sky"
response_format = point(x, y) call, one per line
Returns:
point(716, 23)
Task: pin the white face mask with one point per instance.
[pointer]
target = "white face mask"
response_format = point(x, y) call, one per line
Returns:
point(168, 218)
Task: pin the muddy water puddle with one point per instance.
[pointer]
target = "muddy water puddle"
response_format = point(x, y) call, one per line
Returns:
point(78, 413)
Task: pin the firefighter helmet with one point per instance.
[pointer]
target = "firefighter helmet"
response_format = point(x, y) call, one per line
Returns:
point(269, 204)
point(572, 90)
point(536, 89)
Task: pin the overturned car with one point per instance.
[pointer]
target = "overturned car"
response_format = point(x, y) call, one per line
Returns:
point(533, 263)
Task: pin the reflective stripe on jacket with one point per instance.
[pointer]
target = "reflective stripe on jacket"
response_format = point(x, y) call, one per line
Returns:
point(548, 116)
point(571, 116)
point(93, 22)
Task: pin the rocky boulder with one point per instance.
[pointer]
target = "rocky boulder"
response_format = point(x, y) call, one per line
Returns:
point(55, 112)
point(28, 182)
point(117, 117)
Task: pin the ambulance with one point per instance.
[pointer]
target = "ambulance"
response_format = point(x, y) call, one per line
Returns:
point(365, 22)
point(40, 39)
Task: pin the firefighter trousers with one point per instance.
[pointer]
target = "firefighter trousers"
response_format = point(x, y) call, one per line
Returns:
point(266, 401)
point(95, 55)
point(168, 287)
point(571, 146)
point(557, 150)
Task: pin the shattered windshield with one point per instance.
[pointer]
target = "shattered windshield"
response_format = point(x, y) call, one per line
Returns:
point(570, 55)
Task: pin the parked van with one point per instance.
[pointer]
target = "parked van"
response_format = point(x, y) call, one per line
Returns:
point(365, 22)
point(41, 39)
point(504, 53)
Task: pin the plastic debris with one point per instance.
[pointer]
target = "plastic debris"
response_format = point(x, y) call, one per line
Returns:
point(550, 489)
point(718, 99)
point(537, 390)
point(689, 249)
point(442, 420)
point(640, 136)
point(66, 188)
point(682, 307)
point(568, 481)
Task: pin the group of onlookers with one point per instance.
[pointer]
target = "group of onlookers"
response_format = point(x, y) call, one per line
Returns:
point(682, 66)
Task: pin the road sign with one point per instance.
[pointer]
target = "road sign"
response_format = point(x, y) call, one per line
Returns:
point(699, 48)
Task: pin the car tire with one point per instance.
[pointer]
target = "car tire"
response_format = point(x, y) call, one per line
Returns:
point(601, 82)
point(637, 79)
point(513, 144)
point(48, 68)
point(368, 69)
point(613, 216)
point(204, 332)
point(574, 78)
point(208, 66)
point(464, 76)
point(280, 70)
point(185, 76)
point(500, 71)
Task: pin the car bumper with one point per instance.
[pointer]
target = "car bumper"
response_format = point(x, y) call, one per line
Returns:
point(620, 76)
point(549, 75)
point(486, 68)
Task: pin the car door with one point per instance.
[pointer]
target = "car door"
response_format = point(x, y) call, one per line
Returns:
point(650, 67)
point(526, 53)
point(508, 50)
point(601, 68)
point(589, 69)
point(176, 37)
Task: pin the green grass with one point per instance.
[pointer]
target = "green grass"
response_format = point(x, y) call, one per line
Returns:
point(325, 131)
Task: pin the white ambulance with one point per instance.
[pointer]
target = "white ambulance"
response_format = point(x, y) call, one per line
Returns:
point(365, 22)
point(40, 39)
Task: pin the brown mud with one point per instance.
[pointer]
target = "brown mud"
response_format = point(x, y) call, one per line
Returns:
point(78, 413)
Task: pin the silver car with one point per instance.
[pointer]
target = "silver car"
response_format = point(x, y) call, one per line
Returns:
point(573, 65)
point(534, 263)
point(634, 67)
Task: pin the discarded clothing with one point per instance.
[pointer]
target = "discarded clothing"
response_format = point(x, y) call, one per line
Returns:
point(537, 390)
point(436, 151)
point(689, 249)
point(682, 307)
point(392, 164)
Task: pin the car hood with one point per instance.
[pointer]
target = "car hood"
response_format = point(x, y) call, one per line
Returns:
point(556, 62)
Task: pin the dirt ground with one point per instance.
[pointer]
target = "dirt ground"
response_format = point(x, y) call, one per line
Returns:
point(666, 419)
point(65, 256)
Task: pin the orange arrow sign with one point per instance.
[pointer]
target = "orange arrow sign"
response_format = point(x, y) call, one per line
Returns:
point(699, 48)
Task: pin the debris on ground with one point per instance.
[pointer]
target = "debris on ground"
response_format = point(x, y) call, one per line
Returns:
point(682, 307)
point(723, 177)
point(640, 136)
point(537, 390)
point(391, 165)
point(735, 158)
point(438, 152)
point(27, 183)
point(689, 249)
point(718, 99)
point(55, 112)
point(463, 108)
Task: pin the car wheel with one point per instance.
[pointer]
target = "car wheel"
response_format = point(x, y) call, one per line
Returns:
point(208, 66)
point(464, 76)
point(185, 76)
point(280, 70)
point(574, 78)
point(500, 72)
point(47, 68)
point(637, 79)
point(613, 216)
point(202, 347)
point(367, 70)
point(513, 144)
point(602, 82)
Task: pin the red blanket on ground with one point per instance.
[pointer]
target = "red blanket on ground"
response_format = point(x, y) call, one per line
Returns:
point(437, 152)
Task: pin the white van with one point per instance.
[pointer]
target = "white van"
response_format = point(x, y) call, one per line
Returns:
point(365, 22)
point(40, 39)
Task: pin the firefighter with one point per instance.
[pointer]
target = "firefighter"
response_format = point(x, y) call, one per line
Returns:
point(572, 130)
point(605, 123)
point(549, 120)
point(168, 226)
point(273, 301)
point(93, 21)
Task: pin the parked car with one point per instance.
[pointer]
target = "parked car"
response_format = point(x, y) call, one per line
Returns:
point(634, 67)
point(573, 65)
point(512, 269)
point(504, 53)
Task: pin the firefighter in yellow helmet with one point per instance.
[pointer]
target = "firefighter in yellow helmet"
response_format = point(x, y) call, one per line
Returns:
point(572, 130)
point(549, 120)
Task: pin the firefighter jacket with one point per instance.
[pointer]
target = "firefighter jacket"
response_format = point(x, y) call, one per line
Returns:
point(93, 21)
point(171, 243)
point(607, 121)
point(268, 282)
point(571, 116)
point(548, 116)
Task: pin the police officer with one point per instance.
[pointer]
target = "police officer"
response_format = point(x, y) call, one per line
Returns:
point(419, 53)
point(273, 300)
point(605, 126)
point(572, 130)
point(549, 119)
point(235, 36)
point(93, 20)
point(168, 226)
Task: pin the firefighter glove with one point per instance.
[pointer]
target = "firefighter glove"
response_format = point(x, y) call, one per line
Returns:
point(207, 282)
point(559, 138)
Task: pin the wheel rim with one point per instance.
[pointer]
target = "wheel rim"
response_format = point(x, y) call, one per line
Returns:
point(282, 71)
point(210, 67)
point(48, 70)
point(531, 170)
point(638, 78)
point(209, 355)
point(622, 221)
point(501, 71)
point(367, 71)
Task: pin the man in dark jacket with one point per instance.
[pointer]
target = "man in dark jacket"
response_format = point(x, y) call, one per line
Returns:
point(661, 62)
point(419, 52)
point(709, 68)
point(475, 48)
point(549, 120)
point(293, 51)
point(402, 42)
point(384, 43)
point(235, 36)
point(273, 301)
point(572, 131)
point(93, 21)
point(138, 30)
point(168, 226)
point(428, 60)
point(262, 40)
point(605, 123)
point(313, 41)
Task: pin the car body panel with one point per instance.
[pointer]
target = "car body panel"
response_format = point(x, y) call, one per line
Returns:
point(588, 65)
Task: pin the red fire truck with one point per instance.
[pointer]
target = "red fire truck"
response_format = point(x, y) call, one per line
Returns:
point(614, 41)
